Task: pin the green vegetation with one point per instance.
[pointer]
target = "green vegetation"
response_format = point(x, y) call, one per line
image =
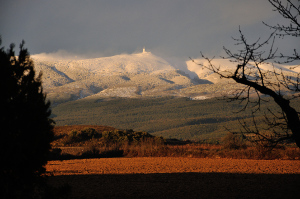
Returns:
point(118, 136)
point(109, 137)
point(85, 134)
point(169, 117)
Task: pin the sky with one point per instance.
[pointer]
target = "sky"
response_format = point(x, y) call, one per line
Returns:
point(168, 28)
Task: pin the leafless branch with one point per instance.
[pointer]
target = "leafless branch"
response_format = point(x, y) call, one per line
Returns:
point(259, 82)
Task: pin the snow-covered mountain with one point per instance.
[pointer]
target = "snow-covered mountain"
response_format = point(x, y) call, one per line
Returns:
point(227, 66)
point(129, 75)
point(126, 75)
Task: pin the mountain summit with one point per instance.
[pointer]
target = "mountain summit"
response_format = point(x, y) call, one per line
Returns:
point(131, 76)
point(126, 75)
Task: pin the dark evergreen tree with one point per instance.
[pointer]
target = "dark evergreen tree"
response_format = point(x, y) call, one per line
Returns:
point(26, 129)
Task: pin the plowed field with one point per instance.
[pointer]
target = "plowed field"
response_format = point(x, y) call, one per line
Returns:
point(177, 178)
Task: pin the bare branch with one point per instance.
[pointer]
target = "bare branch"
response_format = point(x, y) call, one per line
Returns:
point(258, 81)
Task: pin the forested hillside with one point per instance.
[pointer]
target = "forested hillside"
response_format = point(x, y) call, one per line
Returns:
point(170, 117)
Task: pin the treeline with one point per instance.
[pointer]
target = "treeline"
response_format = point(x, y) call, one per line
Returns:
point(106, 137)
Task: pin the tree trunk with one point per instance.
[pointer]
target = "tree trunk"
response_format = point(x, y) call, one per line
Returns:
point(293, 121)
point(292, 117)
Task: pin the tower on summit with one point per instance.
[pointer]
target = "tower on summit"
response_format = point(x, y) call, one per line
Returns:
point(144, 50)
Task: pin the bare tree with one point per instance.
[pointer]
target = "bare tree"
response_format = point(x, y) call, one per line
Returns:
point(283, 124)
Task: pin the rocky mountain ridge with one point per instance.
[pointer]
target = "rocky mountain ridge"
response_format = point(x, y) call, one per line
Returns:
point(128, 75)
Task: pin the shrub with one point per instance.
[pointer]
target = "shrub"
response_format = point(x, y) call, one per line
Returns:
point(71, 138)
point(95, 150)
point(119, 136)
point(89, 133)
point(83, 135)
point(233, 141)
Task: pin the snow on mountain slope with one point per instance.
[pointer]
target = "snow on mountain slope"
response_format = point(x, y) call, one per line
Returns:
point(51, 76)
point(125, 63)
point(117, 76)
point(134, 63)
point(227, 66)
point(133, 75)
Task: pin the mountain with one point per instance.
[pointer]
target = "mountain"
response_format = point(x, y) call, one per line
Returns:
point(131, 76)
point(227, 66)
point(108, 91)
point(134, 75)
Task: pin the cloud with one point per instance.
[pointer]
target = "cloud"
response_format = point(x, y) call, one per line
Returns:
point(58, 55)
point(243, 12)
point(173, 28)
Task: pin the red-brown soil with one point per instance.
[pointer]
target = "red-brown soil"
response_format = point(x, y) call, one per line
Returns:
point(145, 165)
point(169, 177)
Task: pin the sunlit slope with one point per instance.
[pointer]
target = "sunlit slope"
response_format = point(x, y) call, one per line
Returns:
point(225, 66)
point(134, 75)
point(137, 76)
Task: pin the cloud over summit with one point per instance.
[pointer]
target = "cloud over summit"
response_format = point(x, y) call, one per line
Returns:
point(166, 27)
